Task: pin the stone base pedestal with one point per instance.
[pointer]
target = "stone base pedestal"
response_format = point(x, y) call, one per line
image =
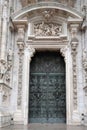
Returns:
point(76, 118)
point(5, 119)
point(18, 118)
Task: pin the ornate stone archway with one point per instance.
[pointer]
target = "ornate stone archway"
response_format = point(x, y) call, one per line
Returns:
point(45, 33)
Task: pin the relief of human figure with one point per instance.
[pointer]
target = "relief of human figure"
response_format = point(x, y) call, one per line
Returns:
point(39, 29)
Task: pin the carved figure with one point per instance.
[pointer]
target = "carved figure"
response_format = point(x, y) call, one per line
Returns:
point(47, 29)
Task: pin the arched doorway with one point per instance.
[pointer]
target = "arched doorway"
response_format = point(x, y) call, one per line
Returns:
point(47, 93)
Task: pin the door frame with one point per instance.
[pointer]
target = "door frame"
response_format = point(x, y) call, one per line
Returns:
point(52, 55)
point(29, 51)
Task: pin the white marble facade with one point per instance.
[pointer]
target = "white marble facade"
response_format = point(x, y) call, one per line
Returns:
point(30, 25)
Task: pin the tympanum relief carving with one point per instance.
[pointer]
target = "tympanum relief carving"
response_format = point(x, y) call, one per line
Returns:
point(47, 29)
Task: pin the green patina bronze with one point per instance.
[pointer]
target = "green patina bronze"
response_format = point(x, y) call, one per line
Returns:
point(47, 94)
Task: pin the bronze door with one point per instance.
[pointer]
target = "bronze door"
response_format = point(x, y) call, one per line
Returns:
point(47, 93)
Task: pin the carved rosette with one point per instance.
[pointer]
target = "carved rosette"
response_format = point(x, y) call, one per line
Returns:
point(74, 45)
point(20, 43)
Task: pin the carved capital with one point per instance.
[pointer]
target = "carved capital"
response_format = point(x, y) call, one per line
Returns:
point(31, 51)
point(63, 52)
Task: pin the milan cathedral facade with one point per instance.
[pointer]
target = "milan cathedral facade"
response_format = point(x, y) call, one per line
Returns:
point(43, 61)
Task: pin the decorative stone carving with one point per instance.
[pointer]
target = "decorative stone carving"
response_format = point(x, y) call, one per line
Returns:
point(74, 45)
point(5, 67)
point(47, 14)
point(47, 29)
point(85, 69)
point(63, 52)
point(74, 53)
point(31, 51)
point(20, 43)
point(5, 96)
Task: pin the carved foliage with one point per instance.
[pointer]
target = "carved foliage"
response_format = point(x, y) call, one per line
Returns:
point(74, 53)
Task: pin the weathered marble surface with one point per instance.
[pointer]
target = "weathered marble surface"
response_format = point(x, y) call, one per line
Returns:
point(58, 26)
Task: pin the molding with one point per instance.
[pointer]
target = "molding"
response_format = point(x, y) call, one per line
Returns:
point(44, 5)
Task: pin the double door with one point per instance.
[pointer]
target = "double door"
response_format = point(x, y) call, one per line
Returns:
point(47, 94)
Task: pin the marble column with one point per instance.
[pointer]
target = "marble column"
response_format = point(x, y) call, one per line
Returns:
point(74, 46)
point(28, 53)
point(4, 32)
point(67, 57)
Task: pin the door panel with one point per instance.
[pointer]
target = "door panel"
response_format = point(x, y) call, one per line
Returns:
point(47, 98)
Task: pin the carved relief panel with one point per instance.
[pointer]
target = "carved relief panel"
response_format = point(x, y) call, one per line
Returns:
point(47, 29)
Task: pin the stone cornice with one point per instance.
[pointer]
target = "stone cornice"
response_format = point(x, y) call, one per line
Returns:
point(61, 37)
point(42, 5)
point(20, 23)
point(47, 42)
